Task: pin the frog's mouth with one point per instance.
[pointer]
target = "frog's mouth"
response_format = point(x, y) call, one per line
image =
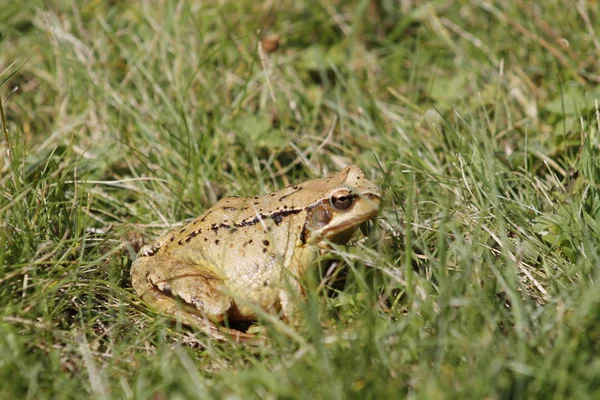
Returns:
point(341, 234)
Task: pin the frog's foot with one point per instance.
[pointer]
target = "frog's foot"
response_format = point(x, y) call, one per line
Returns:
point(190, 317)
point(217, 332)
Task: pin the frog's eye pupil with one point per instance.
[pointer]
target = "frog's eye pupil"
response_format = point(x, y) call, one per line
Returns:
point(342, 202)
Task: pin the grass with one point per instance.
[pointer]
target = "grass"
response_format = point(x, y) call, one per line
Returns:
point(479, 120)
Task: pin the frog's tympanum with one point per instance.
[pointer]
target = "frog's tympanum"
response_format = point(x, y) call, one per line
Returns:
point(250, 253)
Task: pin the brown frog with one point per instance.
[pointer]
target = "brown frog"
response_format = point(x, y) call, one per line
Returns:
point(246, 253)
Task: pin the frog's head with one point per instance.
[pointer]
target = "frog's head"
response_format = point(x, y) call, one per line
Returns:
point(348, 201)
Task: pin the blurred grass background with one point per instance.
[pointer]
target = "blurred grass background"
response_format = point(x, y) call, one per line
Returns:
point(479, 120)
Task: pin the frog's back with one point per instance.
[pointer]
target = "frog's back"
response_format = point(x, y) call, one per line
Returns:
point(238, 232)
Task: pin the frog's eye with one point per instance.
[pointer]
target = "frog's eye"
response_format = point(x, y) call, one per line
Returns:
point(342, 200)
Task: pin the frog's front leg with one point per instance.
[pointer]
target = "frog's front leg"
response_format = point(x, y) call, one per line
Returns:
point(290, 297)
point(187, 291)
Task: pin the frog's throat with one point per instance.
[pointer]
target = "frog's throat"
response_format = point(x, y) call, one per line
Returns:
point(340, 232)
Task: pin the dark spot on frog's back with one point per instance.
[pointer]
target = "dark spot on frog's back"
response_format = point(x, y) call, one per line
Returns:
point(266, 242)
point(278, 216)
point(148, 251)
point(167, 290)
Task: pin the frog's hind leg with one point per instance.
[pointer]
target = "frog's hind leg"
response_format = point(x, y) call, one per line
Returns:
point(186, 291)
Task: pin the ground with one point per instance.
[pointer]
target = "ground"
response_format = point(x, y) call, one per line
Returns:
point(478, 119)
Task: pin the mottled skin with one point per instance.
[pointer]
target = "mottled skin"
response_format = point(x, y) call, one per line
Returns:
point(251, 252)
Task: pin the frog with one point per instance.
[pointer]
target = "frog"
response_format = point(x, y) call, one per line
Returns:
point(247, 255)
